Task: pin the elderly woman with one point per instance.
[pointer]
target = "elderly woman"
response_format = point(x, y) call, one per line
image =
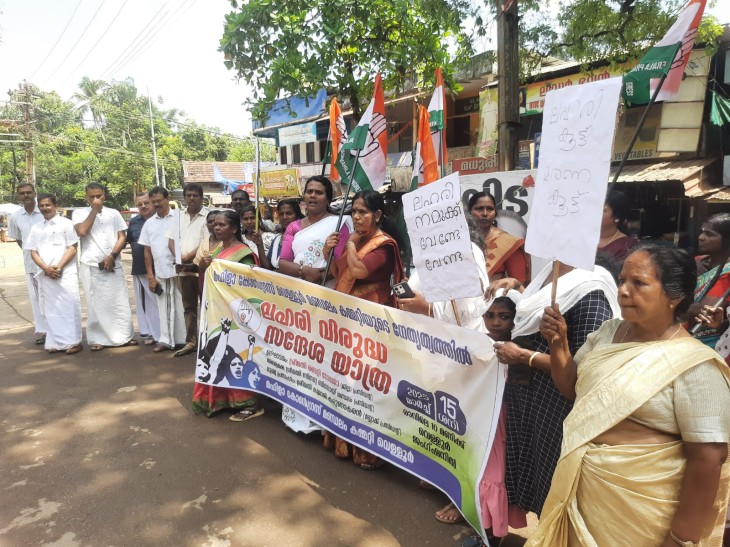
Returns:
point(505, 253)
point(713, 280)
point(371, 259)
point(613, 240)
point(644, 446)
point(535, 407)
point(210, 399)
point(301, 251)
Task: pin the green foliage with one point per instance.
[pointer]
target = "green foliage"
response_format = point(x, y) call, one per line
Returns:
point(593, 30)
point(103, 135)
point(296, 47)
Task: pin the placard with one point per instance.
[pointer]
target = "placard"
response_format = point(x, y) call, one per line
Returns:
point(575, 159)
point(440, 241)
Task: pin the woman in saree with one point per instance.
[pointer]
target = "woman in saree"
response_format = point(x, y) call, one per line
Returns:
point(301, 251)
point(708, 310)
point(505, 253)
point(210, 399)
point(535, 407)
point(203, 257)
point(613, 239)
point(370, 260)
point(644, 450)
point(288, 211)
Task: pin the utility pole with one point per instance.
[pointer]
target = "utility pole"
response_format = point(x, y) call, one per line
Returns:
point(27, 133)
point(152, 129)
point(508, 67)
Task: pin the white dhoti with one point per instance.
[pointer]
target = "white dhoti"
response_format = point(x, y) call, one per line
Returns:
point(148, 317)
point(41, 327)
point(60, 303)
point(172, 318)
point(108, 312)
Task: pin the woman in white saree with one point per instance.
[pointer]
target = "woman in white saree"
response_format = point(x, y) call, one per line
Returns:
point(644, 448)
point(301, 256)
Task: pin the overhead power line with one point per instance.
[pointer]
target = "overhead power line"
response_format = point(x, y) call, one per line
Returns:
point(53, 47)
point(77, 41)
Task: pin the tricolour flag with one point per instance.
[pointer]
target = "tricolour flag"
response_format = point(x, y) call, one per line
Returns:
point(338, 135)
point(668, 56)
point(425, 165)
point(437, 115)
point(370, 139)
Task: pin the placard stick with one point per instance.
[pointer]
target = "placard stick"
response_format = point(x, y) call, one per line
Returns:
point(342, 213)
point(456, 312)
point(556, 274)
point(329, 147)
point(256, 187)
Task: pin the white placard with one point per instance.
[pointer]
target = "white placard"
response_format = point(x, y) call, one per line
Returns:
point(440, 241)
point(575, 159)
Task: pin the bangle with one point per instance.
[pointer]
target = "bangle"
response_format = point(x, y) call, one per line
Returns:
point(114, 255)
point(430, 309)
point(678, 541)
point(529, 362)
point(301, 270)
point(350, 244)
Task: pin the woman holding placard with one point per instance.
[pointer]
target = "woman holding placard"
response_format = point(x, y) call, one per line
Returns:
point(535, 407)
point(505, 253)
point(645, 446)
point(365, 269)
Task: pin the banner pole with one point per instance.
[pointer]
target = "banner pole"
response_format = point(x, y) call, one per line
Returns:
point(636, 133)
point(256, 186)
point(342, 214)
point(456, 312)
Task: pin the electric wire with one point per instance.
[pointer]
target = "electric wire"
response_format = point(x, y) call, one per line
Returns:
point(53, 47)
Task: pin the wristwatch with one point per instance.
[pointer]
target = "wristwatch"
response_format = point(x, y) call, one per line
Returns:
point(114, 255)
point(678, 541)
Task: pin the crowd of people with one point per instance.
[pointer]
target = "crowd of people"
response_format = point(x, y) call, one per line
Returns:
point(617, 400)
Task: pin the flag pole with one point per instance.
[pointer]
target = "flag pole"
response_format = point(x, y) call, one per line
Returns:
point(342, 214)
point(636, 133)
point(256, 186)
point(328, 147)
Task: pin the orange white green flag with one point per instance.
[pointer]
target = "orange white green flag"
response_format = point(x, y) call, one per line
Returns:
point(425, 165)
point(369, 140)
point(338, 135)
point(668, 56)
point(437, 117)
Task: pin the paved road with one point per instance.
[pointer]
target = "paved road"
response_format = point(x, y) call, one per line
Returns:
point(101, 449)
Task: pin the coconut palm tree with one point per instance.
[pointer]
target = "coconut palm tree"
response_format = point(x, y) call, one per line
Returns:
point(91, 100)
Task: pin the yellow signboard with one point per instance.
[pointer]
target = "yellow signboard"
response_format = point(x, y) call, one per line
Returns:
point(282, 183)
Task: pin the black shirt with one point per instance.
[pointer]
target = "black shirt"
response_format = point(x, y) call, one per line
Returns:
point(133, 231)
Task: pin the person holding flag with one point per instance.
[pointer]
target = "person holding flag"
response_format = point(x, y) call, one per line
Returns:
point(425, 164)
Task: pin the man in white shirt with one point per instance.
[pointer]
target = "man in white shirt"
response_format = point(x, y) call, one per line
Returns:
point(102, 237)
point(21, 223)
point(52, 245)
point(160, 265)
point(189, 232)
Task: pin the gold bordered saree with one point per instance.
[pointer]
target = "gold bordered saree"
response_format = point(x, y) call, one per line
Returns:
point(625, 494)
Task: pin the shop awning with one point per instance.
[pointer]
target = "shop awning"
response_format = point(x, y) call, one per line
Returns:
point(723, 196)
point(695, 175)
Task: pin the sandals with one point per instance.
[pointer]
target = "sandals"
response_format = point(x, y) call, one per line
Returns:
point(149, 341)
point(372, 466)
point(40, 340)
point(246, 414)
point(131, 342)
point(160, 347)
point(185, 350)
point(454, 516)
point(77, 348)
point(96, 347)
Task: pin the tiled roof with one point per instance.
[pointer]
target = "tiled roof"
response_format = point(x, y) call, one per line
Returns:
point(693, 174)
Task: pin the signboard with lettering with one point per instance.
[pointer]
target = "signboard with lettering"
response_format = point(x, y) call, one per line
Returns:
point(281, 183)
point(440, 241)
point(472, 166)
point(575, 159)
point(468, 105)
point(298, 134)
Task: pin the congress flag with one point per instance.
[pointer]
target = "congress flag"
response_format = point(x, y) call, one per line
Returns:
point(425, 165)
point(370, 139)
point(437, 116)
point(338, 134)
point(668, 56)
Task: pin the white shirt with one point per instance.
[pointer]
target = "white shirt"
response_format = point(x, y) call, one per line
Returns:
point(154, 236)
point(51, 238)
point(21, 223)
point(192, 230)
point(100, 241)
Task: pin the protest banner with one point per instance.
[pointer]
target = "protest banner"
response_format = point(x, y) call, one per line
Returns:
point(440, 241)
point(575, 158)
point(375, 376)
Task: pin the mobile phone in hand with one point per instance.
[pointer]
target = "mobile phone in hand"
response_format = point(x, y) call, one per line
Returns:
point(402, 290)
point(158, 289)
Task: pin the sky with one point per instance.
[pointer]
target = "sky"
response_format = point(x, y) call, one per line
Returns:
point(168, 45)
point(177, 55)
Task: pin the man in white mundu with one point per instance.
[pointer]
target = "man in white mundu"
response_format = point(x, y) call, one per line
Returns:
point(102, 237)
point(20, 225)
point(52, 245)
point(161, 277)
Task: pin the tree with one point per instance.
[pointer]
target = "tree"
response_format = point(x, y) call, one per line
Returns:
point(595, 30)
point(296, 47)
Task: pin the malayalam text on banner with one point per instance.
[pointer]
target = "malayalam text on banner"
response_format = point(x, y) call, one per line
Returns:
point(419, 393)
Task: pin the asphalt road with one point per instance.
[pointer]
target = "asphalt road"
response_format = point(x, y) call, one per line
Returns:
point(102, 449)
